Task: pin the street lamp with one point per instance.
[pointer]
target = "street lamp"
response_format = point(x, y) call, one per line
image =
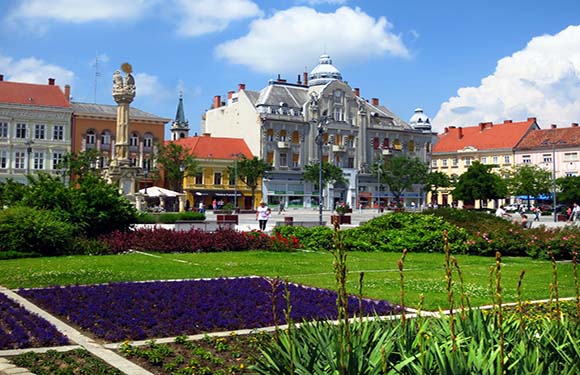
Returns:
point(235, 181)
point(379, 167)
point(323, 120)
point(28, 144)
point(553, 144)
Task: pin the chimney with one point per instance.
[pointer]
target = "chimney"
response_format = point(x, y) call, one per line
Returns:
point(217, 101)
point(553, 126)
point(305, 78)
point(507, 121)
point(1, 77)
point(298, 80)
point(230, 94)
point(51, 81)
point(481, 126)
point(460, 132)
point(241, 86)
point(67, 92)
point(356, 91)
point(206, 134)
point(532, 119)
point(375, 101)
point(574, 124)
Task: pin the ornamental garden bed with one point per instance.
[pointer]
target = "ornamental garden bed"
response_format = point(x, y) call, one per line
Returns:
point(148, 310)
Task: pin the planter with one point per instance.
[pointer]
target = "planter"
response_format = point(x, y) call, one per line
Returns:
point(227, 219)
point(342, 219)
point(288, 220)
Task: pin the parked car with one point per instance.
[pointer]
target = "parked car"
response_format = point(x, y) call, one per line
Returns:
point(512, 207)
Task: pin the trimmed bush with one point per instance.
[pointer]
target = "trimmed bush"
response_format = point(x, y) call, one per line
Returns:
point(33, 231)
point(169, 217)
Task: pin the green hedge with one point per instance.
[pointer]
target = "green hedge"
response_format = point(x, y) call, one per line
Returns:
point(169, 217)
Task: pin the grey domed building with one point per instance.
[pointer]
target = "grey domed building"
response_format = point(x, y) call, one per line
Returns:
point(279, 124)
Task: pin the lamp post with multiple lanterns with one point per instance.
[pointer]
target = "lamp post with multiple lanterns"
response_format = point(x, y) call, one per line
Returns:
point(323, 120)
point(553, 144)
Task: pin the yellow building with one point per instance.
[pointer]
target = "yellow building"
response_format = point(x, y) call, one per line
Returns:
point(488, 143)
point(214, 184)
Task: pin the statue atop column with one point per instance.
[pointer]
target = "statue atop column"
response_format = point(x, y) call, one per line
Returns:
point(123, 93)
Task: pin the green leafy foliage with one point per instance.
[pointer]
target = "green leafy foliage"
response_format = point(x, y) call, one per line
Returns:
point(478, 182)
point(317, 238)
point(169, 217)
point(34, 231)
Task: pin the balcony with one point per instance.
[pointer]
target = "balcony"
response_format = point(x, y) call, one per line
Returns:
point(387, 152)
point(283, 144)
point(338, 148)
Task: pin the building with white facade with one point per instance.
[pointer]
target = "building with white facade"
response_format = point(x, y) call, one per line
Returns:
point(280, 125)
point(35, 128)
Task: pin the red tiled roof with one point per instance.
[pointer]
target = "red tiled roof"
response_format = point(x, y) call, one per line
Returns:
point(207, 147)
point(484, 136)
point(569, 137)
point(32, 94)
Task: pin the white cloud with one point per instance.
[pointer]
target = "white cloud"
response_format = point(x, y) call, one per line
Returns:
point(318, 2)
point(290, 37)
point(148, 85)
point(33, 70)
point(79, 11)
point(206, 16)
point(542, 80)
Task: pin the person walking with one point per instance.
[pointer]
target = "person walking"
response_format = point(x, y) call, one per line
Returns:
point(262, 215)
point(281, 207)
point(537, 213)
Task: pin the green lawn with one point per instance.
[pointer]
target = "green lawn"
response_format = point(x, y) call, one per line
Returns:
point(424, 273)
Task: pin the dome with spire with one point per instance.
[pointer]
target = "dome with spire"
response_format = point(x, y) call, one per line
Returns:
point(420, 121)
point(324, 72)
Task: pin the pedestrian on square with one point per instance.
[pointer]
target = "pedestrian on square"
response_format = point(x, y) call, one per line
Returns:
point(262, 215)
point(281, 207)
point(537, 213)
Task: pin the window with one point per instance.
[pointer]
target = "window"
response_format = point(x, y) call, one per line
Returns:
point(526, 159)
point(350, 163)
point(56, 159)
point(495, 159)
point(283, 135)
point(349, 141)
point(295, 137)
point(132, 160)
point(547, 158)
point(105, 138)
point(506, 159)
point(283, 160)
point(386, 143)
point(571, 156)
point(337, 95)
point(484, 160)
point(90, 137)
point(148, 141)
point(411, 146)
point(199, 178)
point(217, 178)
point(455, 162)
point(444, 163)
point(232, 179)
point(428, 147)
point(21, 131)
point(58, 133)
point(19, 158)
point(338, 114)
point(134, 141)
point(270, 135)
point(434, 163)
point(270, 158)
point(3, 159)
point(467, 161)
point(571, 174)
point(146, 165)
point(295, 160)
point(3, 130)
point(39, 131)
point(376, 143)
point(38, 160)
point(397, 145)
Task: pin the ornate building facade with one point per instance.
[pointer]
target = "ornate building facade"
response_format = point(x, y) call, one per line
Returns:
point(35, 128)
point(280, 125)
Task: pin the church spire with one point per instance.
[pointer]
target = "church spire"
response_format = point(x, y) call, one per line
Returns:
point(180, 126)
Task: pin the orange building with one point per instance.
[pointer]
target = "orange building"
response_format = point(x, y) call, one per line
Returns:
point(94, 128)
point(213, 181)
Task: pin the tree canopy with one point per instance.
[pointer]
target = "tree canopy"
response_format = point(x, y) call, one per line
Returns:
point(569, 189)
point(400, 173)
point(478, 182)
point(435, 181)
point(176, 162)
point(331, 174)
point(250, 171)
point(529, 180)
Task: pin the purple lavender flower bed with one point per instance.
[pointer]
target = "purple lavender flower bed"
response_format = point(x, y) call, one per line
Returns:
point(21, 329)
point(136, 311)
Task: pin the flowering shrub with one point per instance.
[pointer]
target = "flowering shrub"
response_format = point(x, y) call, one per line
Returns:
point(21, 329)
point(135, 311)
point(170, 241)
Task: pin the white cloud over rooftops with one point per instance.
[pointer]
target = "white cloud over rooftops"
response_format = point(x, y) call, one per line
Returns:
point(542, 80)
point(289, 37)
point(33, 70)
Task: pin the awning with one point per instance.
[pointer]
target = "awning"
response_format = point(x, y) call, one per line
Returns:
point(218, 193)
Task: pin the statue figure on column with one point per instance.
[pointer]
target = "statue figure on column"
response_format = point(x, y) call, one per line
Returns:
point(123, 93)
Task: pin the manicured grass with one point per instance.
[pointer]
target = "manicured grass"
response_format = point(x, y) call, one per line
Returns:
point(423, 273)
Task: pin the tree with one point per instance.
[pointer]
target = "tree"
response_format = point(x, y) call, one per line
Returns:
point(569, 187)
point(331, 174)
point(11, 192)
point(80, 165)
point(250, 171)
point(478, 182)
point(434, 181)
point(529, 180)
point(400, 173)
point(176, 162)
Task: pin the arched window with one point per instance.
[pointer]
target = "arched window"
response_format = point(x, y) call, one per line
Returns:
point(148, 140)
point(411, 146)
point(283, 135)
point(386, 143)
point(90, 138)
point(295, 137)
point(134, 140)
point(376, 142)
point(270, 135)
point(397, 145)
point(105, 138)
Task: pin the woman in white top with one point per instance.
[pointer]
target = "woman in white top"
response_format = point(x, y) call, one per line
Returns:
point(262, 215)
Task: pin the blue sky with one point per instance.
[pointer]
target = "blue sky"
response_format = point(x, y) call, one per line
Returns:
point(463, 62)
